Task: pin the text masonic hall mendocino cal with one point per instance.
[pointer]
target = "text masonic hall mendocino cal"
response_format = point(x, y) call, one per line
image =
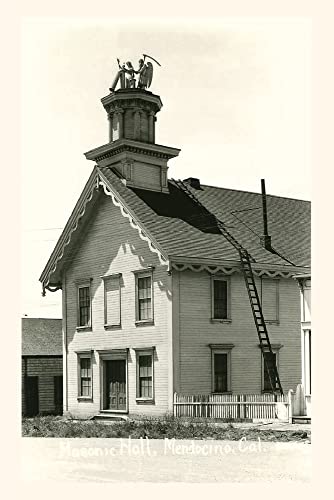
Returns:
point(154, 295)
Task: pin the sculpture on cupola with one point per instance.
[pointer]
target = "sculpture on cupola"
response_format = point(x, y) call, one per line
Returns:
point(130, 78)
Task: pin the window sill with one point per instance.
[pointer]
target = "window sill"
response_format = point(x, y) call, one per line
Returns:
point(271, 321)
point(216, 320)
point(85, 398)
point(113, 327)
point(144, 322)
point(145, 401)
point(83, 328)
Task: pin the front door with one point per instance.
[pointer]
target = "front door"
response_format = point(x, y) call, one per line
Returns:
point(116, 384)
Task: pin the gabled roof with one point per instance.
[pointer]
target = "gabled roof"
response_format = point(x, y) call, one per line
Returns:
point(176, 227)
point(41, 337)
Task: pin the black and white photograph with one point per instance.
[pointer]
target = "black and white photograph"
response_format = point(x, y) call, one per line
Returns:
point(166, 250)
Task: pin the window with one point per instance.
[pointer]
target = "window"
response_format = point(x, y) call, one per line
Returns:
point(221, 367)
point(144, 297)
point(145, 388)
point(220, 292)
point(270, 299)
point(84, 305)
point(112, 300)
point(85, 388)
point(271, 360)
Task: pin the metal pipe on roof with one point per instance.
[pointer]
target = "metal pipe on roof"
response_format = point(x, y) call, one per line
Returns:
point(265, 239)
point(264, 206)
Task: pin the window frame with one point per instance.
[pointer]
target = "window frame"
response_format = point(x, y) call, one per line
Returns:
point(273, 321)
point(105, 280)
point(143, 273)
point(87, 283)
point(84, 355)
point(145, 351)
point(275, 348)
point(227, 279)
point(221, 349)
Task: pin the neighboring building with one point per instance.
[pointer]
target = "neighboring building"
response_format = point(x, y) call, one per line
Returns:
point(304, 282)
point(42, 366)
point(154, 301)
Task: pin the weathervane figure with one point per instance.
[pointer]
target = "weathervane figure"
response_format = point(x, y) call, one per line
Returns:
point(126, 74)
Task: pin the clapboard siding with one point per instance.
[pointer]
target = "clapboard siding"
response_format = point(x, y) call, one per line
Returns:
point(196, 332)
point(111, 246)
point(45, 368)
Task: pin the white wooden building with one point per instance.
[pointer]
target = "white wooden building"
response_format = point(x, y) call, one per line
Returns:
point(154, 301)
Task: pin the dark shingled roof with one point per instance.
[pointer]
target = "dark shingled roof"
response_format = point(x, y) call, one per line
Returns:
point(41, 337)
point(183, 229)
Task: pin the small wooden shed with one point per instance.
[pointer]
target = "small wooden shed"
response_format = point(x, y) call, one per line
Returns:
point(42, 366)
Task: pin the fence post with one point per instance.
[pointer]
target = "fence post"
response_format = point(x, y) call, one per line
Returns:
point(290, 408)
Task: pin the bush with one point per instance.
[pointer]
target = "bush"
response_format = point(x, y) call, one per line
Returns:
point(152, 428)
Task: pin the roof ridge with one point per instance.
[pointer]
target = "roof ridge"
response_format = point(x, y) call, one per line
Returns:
point(254, 192)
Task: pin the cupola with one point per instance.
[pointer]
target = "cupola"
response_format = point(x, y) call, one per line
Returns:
point(132, 150)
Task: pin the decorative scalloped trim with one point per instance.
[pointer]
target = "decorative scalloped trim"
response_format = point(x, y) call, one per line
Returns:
point(133, 223)
point(118, 204)
point(90, 196)
point(230, 270)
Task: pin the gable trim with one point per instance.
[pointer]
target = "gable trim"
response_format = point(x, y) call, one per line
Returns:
point(70, 227)
point(231, 268)
point(96, 179)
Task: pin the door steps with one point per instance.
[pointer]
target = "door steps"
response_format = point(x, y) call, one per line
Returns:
point(301, 419)
point(109, 416)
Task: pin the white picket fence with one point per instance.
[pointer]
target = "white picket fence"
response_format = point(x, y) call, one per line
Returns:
point(234, 406)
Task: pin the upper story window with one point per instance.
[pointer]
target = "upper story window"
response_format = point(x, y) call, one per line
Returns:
point(84, 305)
point(144, 297)
point(270, 299)
point(112, 300)
point(220, 293)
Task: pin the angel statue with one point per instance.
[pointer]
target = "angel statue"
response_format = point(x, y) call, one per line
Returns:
point(126, 74)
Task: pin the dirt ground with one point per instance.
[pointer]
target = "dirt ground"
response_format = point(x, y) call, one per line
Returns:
point(164, 460)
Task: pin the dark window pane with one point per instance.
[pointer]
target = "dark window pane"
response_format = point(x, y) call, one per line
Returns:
point(270, 361)
point(220, 299)
point(220, 374)
point(84, 306)
point(85, 377)
point(145, 376)
point(144, 298)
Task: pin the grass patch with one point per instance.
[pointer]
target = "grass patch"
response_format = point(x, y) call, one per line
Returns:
point(152, 428)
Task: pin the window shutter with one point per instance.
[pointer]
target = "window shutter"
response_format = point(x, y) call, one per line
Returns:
point(270, 299)
point(113, 300)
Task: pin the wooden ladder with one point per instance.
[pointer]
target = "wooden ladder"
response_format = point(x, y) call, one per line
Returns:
point(246, 266)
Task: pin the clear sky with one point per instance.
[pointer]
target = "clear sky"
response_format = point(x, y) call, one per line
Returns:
point(236, 96)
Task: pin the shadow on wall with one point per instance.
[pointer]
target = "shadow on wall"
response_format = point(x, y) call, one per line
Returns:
point(124, 239)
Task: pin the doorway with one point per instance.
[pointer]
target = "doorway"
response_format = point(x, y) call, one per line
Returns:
point(115, 390)
point(58, 394)
point(31, 396)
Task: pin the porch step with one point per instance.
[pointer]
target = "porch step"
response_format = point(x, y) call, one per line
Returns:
point(109, 417)
point(301, 419)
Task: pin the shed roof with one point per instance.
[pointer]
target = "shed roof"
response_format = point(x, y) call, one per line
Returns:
point(41, 337)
